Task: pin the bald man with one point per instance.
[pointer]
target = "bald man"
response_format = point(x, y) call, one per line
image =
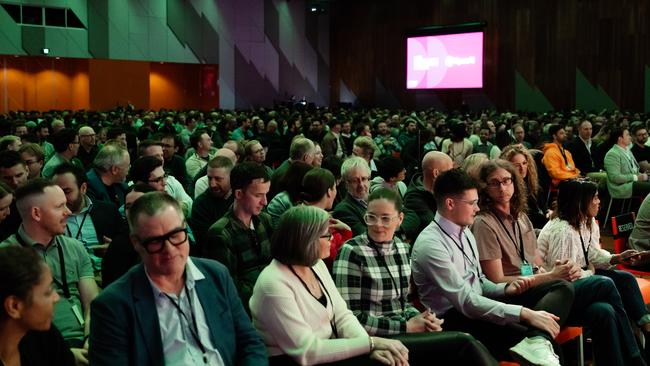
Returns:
point(419, 204)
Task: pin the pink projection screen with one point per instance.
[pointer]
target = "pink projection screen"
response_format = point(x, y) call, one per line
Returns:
point(445, 62)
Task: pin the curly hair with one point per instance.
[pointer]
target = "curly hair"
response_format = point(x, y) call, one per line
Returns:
point(518, 202)
point(531, 180)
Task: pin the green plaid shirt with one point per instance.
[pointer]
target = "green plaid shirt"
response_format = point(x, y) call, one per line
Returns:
point(244, 251)
point(361, 274)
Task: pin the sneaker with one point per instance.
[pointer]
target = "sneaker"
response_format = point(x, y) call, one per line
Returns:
point(535, 351)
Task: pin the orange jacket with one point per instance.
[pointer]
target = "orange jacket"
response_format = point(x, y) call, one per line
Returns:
point(557, 168)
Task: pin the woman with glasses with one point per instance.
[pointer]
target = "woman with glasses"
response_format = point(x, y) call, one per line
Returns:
point(372, 273)
point(521, 158)
point(574, 235)
point(27, 336)
point(507, 249)
point(297, 309)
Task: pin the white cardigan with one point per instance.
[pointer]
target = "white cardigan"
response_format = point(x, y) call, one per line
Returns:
point(558, 240)
point(291, 321)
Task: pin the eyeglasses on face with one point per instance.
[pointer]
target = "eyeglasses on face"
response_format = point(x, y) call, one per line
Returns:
point(373, 220)
point(155, 245)
point(469, 202)
point(495, 183)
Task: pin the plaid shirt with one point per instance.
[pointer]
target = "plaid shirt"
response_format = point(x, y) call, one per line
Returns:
point(362, 277)
point(244, 251)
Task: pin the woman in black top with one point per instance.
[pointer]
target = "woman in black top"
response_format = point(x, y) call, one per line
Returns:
point(27, 336)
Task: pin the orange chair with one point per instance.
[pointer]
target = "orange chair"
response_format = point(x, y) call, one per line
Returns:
point(622, 226)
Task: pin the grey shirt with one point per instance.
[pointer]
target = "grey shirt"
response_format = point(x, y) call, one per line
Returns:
point(448, 277)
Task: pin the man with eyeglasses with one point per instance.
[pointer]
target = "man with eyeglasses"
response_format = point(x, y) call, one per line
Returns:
point(241, 238)
point(33, 156)
point(172, 186)
point(171, 309)
point(355, 171)
point(66, 145)
point(447, 272)
point(88, 146)
point(42, 207)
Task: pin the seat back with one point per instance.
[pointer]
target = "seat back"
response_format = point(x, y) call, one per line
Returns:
point(622, 226)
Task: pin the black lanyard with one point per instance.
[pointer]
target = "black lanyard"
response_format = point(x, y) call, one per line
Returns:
point(335, 332)
point(460, 247)
point(194, 329)
point(398, 284)
point(515, 226)
point(83, 220)
point(585, 250)
point(566, 162)
point(64, 278)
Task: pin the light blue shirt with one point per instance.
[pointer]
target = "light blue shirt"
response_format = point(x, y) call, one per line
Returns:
point(446, 278)
point(80, 226)
point(178, 343)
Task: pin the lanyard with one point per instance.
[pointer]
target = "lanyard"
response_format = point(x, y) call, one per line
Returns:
point(515, 226)
point(194, 329)
point(566, 162)
point(335, 332)
point(64, 279)
point(398, 284)
point(83, 220)
point(460, 247)
point(585, 250)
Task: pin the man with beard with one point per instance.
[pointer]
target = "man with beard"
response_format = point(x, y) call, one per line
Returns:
point(212, 204)
point(93, 223)
point(557, 160)
point(42, 207)
point(241, 238)
point(639, 149)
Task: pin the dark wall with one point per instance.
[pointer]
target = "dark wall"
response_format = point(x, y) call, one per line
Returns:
point(564, 53)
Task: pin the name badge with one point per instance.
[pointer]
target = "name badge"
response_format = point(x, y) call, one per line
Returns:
point(78, 314)
point(526, 269)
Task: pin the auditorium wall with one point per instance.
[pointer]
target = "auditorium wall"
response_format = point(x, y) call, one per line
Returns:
point(266, 50)
point(539, 55)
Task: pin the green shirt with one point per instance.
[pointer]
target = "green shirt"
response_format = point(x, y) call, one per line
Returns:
point(77, 266)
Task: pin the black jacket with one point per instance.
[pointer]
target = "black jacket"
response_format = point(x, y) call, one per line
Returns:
point(419, 208)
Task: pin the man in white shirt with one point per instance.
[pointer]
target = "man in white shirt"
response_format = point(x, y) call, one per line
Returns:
point(447, 273)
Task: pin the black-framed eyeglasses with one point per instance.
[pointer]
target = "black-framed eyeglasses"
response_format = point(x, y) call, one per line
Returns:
point(495, 183)
point(155, 245)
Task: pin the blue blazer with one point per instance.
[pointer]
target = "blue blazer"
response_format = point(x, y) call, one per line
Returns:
point(125, 329)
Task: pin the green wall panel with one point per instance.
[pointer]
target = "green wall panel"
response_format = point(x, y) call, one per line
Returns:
point(528, 98)
point(590, 97)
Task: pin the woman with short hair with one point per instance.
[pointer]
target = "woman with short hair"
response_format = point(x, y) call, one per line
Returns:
point(27, 336)
point(297, 309)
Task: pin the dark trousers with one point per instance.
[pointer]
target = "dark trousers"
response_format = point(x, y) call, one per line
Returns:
point(439, 348)
point(598, 307)
point(628, 288)
point(554, 297)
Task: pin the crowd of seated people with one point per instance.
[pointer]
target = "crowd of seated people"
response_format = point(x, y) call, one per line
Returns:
point(289, 235)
